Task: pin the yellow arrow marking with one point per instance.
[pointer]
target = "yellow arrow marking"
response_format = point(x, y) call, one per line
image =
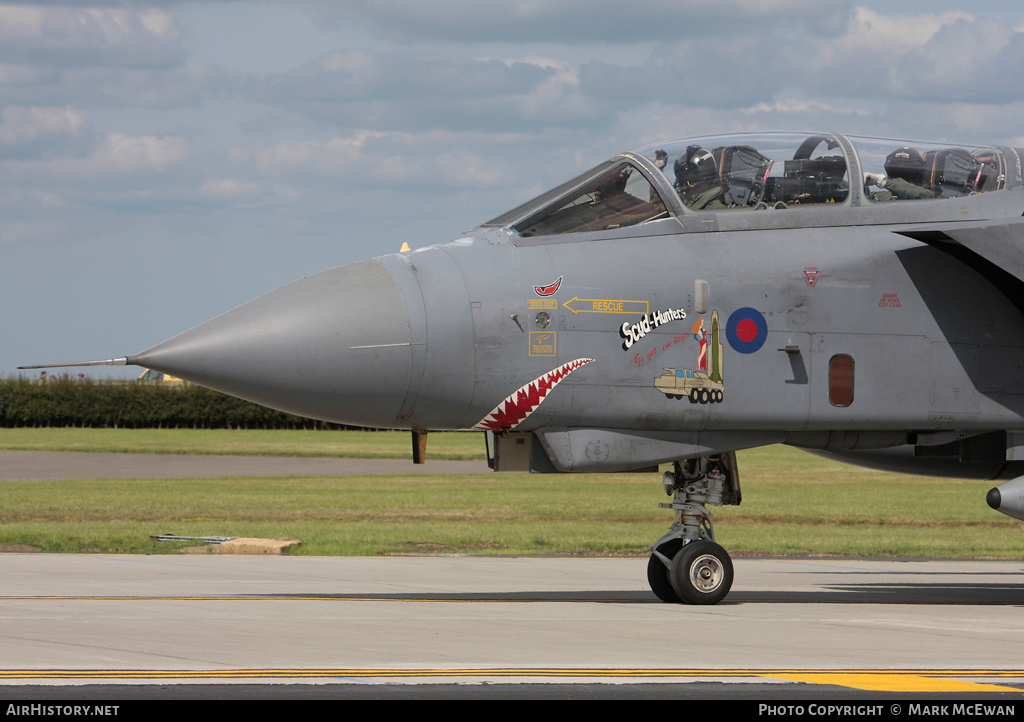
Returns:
point(605, 305)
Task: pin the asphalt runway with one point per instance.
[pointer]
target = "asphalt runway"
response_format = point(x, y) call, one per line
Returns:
point(450, 627)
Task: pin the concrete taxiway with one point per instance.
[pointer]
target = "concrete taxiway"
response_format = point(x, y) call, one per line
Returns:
point(860, 624)
point(790, 628)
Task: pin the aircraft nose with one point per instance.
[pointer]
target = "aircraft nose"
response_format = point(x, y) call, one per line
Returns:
point(334, 346)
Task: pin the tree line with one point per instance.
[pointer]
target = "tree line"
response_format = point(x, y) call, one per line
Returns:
point(135, 405)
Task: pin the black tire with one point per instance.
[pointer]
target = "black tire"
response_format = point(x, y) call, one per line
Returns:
point(694, 396)
point(657, 572)
point(701, 573)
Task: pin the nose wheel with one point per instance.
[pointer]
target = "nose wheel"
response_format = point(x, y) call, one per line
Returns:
point(686, 565)
point(701, 573)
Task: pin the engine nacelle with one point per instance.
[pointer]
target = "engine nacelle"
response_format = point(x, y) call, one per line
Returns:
point(1008, 498)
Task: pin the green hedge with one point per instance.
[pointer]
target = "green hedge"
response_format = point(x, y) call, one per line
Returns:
point(135, 405)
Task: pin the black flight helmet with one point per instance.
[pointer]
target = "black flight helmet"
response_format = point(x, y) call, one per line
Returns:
point(695, 167)
point(906, 163)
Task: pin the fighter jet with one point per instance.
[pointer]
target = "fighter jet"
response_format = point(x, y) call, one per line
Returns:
point(859, 298)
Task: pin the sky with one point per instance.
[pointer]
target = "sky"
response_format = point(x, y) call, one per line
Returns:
point(163, 162)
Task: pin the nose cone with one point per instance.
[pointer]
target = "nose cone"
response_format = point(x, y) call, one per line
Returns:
point(334, 346)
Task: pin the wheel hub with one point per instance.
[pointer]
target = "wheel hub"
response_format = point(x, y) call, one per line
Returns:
point(706, 573)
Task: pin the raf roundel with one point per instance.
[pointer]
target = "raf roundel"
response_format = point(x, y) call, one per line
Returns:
point(746, 330)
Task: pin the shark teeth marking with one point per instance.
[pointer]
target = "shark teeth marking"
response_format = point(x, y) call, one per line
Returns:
point(513, 410)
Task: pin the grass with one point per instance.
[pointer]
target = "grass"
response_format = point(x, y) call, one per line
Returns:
point(244, 442)
point(793, 503)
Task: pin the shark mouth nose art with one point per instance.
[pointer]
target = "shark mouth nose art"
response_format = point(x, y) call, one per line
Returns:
point(513, 410)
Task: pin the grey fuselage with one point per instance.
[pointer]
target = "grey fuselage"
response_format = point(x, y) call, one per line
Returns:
point(885, 330)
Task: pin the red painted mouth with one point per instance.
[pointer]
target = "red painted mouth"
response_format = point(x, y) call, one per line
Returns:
point(513, 411)
point(549, 289)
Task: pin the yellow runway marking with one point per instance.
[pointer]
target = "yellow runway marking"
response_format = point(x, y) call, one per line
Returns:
point(882, 682)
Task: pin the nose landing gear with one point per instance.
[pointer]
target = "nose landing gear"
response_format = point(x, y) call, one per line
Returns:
point(686, 565)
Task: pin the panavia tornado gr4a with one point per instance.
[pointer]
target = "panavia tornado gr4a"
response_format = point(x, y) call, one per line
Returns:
point(860, 298)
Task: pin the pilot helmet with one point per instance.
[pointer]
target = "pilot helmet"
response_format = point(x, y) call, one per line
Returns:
point(696, 166)
point(906, 163)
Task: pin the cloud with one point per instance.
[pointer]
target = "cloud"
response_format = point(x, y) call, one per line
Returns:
point(848, 60)
point(353, 75)
point(370, 160)
point(854, 80)
point(97, 57)
point(24, 75)
point(125, 154)
point(110, 87)
point(958, 58)
point(576, 21)
point(41, 131)
point(336, 156)
point(930, 57)
point(48, 36)
point(119, 162)
point(428, 90)
point(229, 188)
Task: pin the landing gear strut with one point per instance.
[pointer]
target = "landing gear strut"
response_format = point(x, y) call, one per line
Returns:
point(686, 564)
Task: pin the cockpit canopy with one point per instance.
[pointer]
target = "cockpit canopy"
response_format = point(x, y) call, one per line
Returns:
point(757, 171)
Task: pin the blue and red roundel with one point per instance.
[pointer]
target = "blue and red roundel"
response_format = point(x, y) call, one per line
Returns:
point(746, 330)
